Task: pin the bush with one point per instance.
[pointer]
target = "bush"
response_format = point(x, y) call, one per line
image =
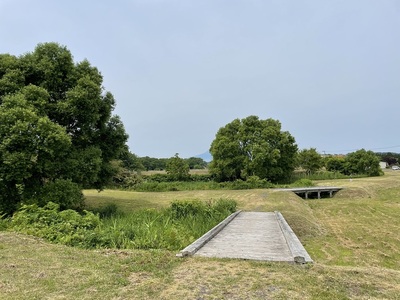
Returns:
point(9, 198)
point(131, 180)
point(303, 183)
point(181, 209)
point(106, 211)
point(64, 192)
point(4, 222)
point(66, 227)
point(201, 177)
point(159, 177)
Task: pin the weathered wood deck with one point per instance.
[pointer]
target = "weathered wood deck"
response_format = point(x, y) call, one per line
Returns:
point(251, 235)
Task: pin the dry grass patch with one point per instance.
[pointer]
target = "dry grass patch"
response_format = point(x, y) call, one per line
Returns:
point(32, 269)
point(200, 278)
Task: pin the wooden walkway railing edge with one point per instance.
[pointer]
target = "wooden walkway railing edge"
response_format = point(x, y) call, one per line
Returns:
point(196, 245)
point(300, 254)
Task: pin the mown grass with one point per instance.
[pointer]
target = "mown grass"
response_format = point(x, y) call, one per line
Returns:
point(353, 239)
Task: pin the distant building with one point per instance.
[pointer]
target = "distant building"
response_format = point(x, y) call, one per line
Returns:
point(383, 164)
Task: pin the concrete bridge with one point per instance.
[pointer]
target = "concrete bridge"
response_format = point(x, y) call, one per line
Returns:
point(314, 192)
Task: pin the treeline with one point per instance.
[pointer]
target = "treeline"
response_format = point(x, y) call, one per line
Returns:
point(390, 158)
point(360, 162)
point(132, 162)
point(159, 164)
point(309, 165)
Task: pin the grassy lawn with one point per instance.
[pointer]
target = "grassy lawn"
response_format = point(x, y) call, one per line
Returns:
point(353, 238)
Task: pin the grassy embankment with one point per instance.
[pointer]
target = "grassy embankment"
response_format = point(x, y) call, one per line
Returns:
point(354, 239)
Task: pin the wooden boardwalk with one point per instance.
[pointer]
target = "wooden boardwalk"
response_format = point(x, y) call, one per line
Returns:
point(256, 236)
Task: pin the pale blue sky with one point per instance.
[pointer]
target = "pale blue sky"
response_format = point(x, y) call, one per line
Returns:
point(180, 70)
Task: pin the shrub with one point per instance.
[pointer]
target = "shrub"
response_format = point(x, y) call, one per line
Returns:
point(201, 177)
point(180, 209)
point(64, 192)
point(3, 222)
point(159, 177)
point(106, 211)
point(303, 183)
point(66, 227)
point(131, 180)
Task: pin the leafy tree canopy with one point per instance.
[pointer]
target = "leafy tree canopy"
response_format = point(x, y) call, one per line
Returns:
point(56, 122)
point(177, 168)
point(253, 147)
point(363, 162)
point(152, 163)
point(130, 161)
point(196, 163)
point(310, 160)
point(336, 164)
point(389, 157)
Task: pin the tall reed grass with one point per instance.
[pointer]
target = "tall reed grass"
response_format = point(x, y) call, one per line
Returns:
point(170, 228)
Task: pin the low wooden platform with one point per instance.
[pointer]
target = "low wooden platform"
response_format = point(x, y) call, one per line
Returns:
point(251, 235)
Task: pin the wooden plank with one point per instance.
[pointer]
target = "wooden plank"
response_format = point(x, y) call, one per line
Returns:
point(251, 235)
point(194, 247)
point(300, 254)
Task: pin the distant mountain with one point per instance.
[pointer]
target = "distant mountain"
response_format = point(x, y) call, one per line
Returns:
point(206, 156)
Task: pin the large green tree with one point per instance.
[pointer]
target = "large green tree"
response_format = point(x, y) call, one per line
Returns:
point(152, 163)
point(363, 162)
point(253, 147)
point(196, 163)
point(389, 157)
point(336, 164)
point(310, 160)
point(177, 168)
point(56, 123)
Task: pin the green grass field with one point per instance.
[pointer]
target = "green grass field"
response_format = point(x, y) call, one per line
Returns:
point(353, 238)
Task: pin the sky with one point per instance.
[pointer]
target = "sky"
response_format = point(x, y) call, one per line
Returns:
point(329, 71)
